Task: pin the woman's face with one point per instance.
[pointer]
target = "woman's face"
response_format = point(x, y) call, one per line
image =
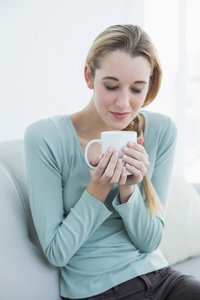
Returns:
point(120, 88)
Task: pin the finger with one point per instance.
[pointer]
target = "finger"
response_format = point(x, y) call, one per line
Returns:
point(140, 140)
point(123, 177)
point(135, 157)
point(117, 172)
point(111, 166)
point(95, 160)
point(137, 173)
point(137, 147)
point(104, 160)
point(139, 161)
point(140, 166)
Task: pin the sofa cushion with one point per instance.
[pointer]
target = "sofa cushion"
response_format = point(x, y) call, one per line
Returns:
point(181, 235)
point(189, 266)
point(25, 272)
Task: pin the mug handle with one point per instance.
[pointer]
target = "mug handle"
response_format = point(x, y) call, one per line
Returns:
point(86, 152)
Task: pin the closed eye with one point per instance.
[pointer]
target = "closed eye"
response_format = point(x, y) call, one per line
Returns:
point(111, 88)
point(136, 91)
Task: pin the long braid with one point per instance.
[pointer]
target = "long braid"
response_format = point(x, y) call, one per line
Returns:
point(152, 199)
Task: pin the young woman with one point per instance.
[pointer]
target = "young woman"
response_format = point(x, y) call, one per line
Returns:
point(101, 227)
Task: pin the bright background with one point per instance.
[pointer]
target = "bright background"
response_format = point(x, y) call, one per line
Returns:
point(44, 43)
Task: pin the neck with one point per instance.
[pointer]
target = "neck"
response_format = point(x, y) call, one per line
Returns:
point(87, 122)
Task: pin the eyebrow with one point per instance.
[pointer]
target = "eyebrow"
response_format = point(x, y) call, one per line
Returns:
point(110, 77)
point(116, 79)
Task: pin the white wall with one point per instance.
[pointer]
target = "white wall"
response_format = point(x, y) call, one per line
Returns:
point(43, 45)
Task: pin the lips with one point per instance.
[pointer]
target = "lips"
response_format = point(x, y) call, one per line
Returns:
point(120, 116)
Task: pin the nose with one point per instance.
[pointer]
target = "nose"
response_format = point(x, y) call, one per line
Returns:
point(123, 100)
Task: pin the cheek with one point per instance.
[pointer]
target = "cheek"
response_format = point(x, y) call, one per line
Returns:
point(102, 97)
point(142, 96)
point(138, 100)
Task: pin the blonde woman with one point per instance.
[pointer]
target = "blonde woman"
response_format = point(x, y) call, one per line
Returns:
point(101, 227)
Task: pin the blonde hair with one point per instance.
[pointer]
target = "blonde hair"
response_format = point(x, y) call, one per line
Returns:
point(132, 40)
point(152, 199)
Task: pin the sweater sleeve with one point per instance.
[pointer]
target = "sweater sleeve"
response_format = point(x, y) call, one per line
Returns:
point(144, 230)
point(60, 235)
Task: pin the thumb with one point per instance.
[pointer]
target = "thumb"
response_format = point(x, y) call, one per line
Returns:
point(140, 140)
point(95, 160)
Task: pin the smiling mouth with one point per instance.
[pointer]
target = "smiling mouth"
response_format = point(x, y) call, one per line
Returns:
point(120, 116)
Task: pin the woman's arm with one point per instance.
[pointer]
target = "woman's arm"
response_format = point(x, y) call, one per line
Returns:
point(60, 235)
point(144, 230)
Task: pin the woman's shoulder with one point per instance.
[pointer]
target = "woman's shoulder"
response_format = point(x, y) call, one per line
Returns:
point(48, 126)
point(57, 122)
point(160, 130)
point(156, 117)
point(159, 123)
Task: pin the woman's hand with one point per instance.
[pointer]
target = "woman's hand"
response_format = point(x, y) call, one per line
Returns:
point(109, 171)
point(136, 161)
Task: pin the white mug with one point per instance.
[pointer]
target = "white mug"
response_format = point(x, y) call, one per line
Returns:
point(116, 139)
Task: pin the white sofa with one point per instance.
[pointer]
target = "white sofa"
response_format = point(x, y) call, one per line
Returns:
point(25, 274)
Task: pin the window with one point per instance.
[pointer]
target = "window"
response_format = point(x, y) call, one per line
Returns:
point(173, 27)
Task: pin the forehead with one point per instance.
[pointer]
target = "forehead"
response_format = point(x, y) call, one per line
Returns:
point(121, 65)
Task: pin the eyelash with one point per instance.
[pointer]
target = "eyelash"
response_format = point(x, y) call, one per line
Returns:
point(115, 87)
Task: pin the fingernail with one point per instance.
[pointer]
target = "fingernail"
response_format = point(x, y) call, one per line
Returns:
point(124, 169)
point(120, 161)
point(131, 144)
point(125, 157)
point(126, 149)
point(111, 149)
point(116, 154)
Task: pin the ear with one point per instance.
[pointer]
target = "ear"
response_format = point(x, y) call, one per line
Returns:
point(88, 77)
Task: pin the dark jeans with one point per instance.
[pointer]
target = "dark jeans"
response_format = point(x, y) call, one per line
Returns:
point(164, 284)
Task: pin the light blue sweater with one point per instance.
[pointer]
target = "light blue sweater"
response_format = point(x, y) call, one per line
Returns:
point(96, 245)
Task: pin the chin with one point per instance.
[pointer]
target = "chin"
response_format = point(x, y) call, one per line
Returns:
point(119, 126)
